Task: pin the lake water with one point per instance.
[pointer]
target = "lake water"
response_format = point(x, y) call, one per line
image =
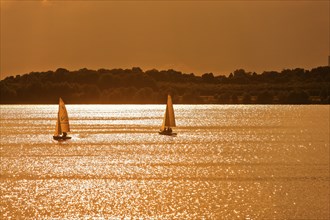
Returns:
point(227, 162)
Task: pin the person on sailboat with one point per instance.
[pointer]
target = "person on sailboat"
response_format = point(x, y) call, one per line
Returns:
point(64, 134)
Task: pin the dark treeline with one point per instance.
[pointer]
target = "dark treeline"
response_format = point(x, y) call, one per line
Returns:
point(134, 86)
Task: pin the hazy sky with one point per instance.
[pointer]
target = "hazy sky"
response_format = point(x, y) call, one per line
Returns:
point(190, 36)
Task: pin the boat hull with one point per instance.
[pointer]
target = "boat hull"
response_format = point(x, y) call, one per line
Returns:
point(167, 133)
point(60, 138)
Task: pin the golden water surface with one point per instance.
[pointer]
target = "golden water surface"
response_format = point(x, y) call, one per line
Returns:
point(227, 162)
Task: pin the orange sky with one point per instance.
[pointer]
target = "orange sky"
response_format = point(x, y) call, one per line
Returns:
point(190, 36)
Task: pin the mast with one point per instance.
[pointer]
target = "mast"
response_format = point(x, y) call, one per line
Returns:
point(58, 130)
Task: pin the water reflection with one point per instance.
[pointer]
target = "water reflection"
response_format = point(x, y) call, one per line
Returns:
point(227, 162)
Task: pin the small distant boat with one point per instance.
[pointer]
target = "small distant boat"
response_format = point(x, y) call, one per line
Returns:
point(62, 123)
point(169, 119)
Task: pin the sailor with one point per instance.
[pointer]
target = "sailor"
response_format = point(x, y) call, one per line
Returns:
point(170, 130)
point(64, 134)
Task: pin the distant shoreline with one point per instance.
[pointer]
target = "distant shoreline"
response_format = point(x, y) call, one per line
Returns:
point(134, 86)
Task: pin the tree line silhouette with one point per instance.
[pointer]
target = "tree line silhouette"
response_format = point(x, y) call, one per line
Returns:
point(135, 86)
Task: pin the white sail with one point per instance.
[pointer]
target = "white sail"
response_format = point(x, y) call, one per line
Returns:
point(63, 118)
point(169, 119)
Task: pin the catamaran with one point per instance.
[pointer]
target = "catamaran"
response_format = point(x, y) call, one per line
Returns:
point(62, 123)
point(169, 119)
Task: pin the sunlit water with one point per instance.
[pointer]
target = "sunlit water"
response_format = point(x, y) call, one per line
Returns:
point(227, 162)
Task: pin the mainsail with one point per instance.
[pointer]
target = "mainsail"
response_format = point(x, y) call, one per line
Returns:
point(169, 119)
point(62, 123)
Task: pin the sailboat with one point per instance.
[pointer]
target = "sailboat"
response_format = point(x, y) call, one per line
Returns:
point(169, 119)
point(62, 123)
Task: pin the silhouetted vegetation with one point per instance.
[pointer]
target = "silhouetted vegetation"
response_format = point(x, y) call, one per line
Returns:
point(134, 86)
